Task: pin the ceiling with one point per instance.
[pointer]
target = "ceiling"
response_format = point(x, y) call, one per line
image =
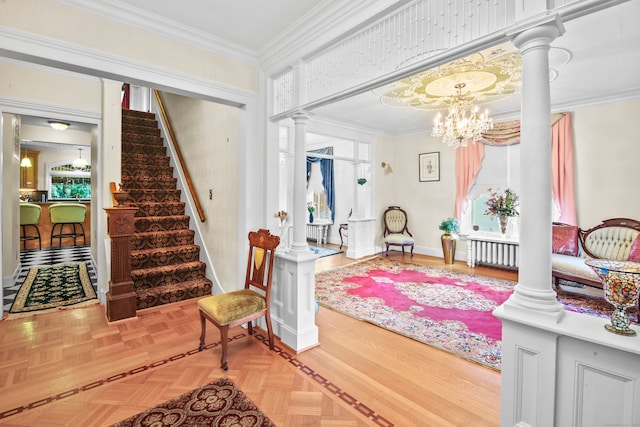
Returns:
point(597, 60)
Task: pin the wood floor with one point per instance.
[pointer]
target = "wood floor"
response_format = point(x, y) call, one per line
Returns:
point(74, 368)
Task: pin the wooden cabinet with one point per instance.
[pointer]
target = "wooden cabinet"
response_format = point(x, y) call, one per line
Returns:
point(29, 175)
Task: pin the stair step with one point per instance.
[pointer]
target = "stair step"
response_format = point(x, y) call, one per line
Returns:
point(158, 257)
point(149, 122)
point(140, 129)
point(144, 179)
point(136, 113)
point(137, 159)
point(148, 278)
point(140, 241)
point(140, 138)
point(165, 208)
point(132, 168)
point(161, 223)
point(173, 293)
point(141, 195)
point(158, 150)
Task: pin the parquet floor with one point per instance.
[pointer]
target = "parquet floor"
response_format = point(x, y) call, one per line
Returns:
point(74, 368)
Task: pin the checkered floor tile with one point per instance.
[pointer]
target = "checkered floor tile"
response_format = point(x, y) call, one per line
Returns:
point(49, 256)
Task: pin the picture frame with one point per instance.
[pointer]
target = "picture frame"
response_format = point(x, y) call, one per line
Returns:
point(429, 166)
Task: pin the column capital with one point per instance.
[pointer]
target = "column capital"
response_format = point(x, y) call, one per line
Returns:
point(301, 116)
point(538, 33)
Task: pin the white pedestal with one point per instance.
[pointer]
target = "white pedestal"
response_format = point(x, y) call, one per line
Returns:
point(293, 302)
point(361, 238)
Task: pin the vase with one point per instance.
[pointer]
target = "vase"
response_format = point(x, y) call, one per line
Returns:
point(121, 197)
point(503, 220)
point(449, 247)
point(621, 285)
point(310, 217)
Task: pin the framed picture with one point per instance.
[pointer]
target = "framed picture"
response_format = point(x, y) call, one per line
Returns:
point(429, 166)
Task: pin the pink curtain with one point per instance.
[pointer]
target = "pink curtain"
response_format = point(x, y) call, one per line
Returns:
point(562, 169)
point(468, 163)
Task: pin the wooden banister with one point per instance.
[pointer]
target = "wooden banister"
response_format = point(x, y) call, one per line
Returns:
point(180, 159)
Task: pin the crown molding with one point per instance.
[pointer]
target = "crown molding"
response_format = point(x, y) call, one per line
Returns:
point(50, 111)
point(120, 11)
point(34, 48)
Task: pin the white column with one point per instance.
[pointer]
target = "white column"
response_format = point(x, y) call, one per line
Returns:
point(299, 243)
point(534, 290)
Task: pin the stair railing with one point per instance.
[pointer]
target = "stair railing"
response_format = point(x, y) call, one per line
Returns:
point(183, 165)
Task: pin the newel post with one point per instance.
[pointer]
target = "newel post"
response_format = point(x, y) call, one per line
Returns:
point(121, 298)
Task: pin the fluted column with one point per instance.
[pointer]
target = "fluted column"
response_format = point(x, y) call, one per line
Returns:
point(300, 183)
point(534, 290)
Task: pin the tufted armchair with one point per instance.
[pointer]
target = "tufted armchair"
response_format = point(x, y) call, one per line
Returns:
point(396, 232)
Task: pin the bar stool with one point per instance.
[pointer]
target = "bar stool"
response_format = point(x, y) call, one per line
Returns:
point(29, 217)
point(71, 214)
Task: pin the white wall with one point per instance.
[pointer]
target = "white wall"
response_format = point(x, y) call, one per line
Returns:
point(607, 157)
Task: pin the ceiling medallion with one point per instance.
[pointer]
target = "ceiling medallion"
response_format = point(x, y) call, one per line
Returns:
point(490, 75)
point(463, 122)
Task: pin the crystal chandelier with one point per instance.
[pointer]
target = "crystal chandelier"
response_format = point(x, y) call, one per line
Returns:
point(462, 123)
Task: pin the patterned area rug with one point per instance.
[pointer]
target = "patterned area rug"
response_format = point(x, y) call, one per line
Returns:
point(448, 310)
point(323, 252)
point(52, 287)
point(217, 404)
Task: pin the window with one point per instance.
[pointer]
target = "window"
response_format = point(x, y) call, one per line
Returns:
point(66, 182)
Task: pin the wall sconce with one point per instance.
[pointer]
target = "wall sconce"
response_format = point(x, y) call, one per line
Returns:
point(58, 125)
point(387, 168)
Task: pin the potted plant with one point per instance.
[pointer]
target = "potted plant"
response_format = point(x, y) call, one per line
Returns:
point(311, 208)
point(503, 206)
point(451, 229)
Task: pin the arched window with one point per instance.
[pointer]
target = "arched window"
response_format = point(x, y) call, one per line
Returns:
point(64, 181)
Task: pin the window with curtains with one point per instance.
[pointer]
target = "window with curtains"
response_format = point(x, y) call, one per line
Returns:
point(320, 183)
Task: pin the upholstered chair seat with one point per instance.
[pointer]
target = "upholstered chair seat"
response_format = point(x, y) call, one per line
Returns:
point(30, 217)
point(69, 215)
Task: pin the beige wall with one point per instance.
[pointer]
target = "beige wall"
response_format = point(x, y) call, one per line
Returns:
point(207, 134)
point(607, 157)
point(427, 203)
point(607, 171)
point(55, 20)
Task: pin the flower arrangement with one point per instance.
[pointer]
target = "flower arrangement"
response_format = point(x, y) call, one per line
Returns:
point(450, 225)
point(502, 205)
point(310, 207)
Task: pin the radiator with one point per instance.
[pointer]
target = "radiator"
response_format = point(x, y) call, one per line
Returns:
point(496, 252)
point(317, 232)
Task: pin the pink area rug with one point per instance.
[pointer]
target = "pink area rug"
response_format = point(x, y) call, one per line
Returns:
point(448, 310)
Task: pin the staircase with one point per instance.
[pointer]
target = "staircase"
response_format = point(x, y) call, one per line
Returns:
point(165, 262)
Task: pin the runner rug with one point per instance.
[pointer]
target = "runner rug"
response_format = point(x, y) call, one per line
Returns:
point(217, 404)
point(53, 287)
point(448, 310)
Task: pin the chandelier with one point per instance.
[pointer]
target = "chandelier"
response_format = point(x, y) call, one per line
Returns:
point(462, 122)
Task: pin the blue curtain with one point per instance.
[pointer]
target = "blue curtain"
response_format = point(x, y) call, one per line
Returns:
point(326, 167)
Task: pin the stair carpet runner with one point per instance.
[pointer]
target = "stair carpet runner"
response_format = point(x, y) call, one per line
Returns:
point(165, 262)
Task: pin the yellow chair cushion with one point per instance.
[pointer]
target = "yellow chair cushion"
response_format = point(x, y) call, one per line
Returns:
point(230, 306)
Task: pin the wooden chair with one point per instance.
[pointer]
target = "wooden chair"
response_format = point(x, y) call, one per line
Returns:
point(232, 309)
point(396, 232)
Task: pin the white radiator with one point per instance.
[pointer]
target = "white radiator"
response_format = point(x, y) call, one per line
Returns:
point(497, 252)
point(318, 232)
